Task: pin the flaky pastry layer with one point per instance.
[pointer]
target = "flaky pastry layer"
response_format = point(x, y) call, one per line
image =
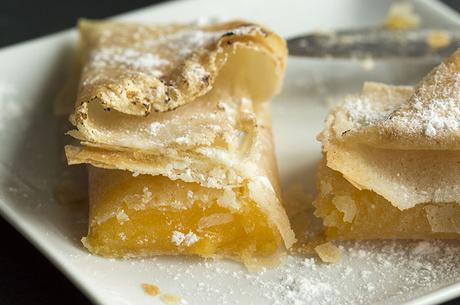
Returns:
point(179, 105)
point(216, 124)
point(401, 143)
point(402, 176)
point(427, 118)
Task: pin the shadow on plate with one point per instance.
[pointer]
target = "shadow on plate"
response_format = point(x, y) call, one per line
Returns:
point(37, 173)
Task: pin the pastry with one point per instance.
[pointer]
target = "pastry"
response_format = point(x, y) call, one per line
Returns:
point(174, 121)
point(391, 160)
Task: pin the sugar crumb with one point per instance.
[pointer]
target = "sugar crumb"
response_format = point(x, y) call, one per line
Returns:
point(438, 39)
point(328, 252)
point(172, 299)
point(122, 216)
point(179, 238)
point(401, 16)
point(146, 195)
point(151, 289)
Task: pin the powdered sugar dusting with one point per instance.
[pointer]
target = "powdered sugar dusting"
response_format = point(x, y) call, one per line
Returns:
point(154, 127)
point(439, 115)
point(187, 240)
point(128, 58)
point(196, 72)
point(183, 43)
point(433, 110)
point(364, 274)
point(364, 112)
point(152, 50)
point(300, 290)
point(383, 272)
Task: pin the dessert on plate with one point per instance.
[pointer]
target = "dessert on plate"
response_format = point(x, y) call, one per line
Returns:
point(391, 160)
point(174, 122)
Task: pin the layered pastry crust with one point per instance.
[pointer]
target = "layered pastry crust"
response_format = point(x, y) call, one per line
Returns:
point(175, 110)
point(240, 66)
point(391, 160)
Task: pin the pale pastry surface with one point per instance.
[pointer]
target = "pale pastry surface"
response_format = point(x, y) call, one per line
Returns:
point(400, 142)
point(427, 118)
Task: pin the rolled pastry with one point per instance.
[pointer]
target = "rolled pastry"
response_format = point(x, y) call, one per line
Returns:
point(391, 160)
point(175, 123)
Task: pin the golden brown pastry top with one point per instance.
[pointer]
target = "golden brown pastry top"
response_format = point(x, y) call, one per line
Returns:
point(137, 69)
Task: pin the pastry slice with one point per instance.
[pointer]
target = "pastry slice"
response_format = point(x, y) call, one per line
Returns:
point(174, 121)
point(391, 160)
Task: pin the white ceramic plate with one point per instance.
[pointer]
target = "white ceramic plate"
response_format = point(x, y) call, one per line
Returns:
point(375, 272)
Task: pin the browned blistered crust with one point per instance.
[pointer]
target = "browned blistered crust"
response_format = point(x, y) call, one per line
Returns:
point(134, 90)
